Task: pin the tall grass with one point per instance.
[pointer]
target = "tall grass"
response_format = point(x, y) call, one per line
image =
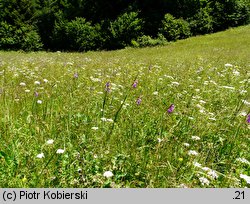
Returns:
point(67, 118)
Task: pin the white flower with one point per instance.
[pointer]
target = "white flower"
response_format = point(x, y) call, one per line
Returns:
point(170, 77)
point(22, 84)
point(245, 177)
point(108, 174)
point(228, 87)
point(95, 79)
point(243, 114)
point(27, 91)
point(213, 82)
point(94, 128)
point(110, 120)
point(199, 106)
point(236, 73)
point(195, 138)
point(40, 156)
point(104, 119)
point(37, 83)
point(243, 160)
point(243, 91)
point(186, 144)
point(159, 140)
point(201, 101)
point(183, 186)
point(60, 151)
point(49, 142)
point(202, 111)
point(175, 83)
point(39, 102)
point(192, 152)
point(214, 119)
point(212, 174)
point(204, 181)
point(206, 168)
point(228, 65)
point(155, 93)
point(45, 80)
point(196, 164)
point(245, 102)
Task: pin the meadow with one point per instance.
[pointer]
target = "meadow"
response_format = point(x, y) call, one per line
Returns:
point(171, 116)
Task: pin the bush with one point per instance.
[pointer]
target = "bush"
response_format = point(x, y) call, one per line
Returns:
point(202, 22)
point(147, 41)
point(81, 35)
point(173, 29)
point(7, 37)
point(19, 38)
point(229, 13)
point(124, 29)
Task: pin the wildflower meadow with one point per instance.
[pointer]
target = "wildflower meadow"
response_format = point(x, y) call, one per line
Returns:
point(174, 116)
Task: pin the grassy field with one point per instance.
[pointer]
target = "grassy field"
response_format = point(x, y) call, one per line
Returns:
point(105, 119)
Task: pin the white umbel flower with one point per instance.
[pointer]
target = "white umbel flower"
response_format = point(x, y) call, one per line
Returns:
point(94, 128)
point(40, 156)
point(60, 151)
point(204, 181)
point(22, 84)
point(108, 174)
point(49, 142)
point(245, 177)
point(192, 152)
point(37, 83)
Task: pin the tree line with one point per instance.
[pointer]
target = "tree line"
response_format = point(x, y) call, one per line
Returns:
point(82, 25)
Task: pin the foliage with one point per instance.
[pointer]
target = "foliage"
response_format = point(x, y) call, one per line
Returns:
point(173, 29)
point(19, 38)
point(229, 13)
point(201, 22)
point(81, 35)
point(112, 24)
point(147, 41)
point(124, 29)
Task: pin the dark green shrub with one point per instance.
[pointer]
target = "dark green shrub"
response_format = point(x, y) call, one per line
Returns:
point(31, 40)
point(173, 29)
point(19, 38)
point(7, 36)
point(201, 22)
point(229, 13)
point(124, 29)
point(81, 35)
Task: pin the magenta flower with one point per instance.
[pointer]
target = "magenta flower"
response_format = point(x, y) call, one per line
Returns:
point(248, 118)
point(138, 101)
point(36, 94)
point(171, 108)
point(76, 75)
point(135, 84)
point(108, 86)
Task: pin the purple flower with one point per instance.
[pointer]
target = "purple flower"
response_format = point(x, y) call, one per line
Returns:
point(171, 108)
point(135, 84)
point(138, 101)
point(248, 118)
point(36, 94)
point(108, 86)
point(76, 75)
